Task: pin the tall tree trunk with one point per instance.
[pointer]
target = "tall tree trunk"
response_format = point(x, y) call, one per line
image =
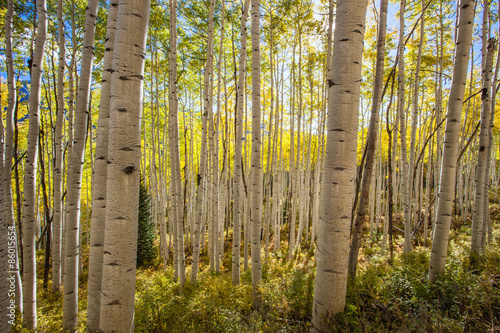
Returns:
point(371, 143)
point(124, 154)
point(340, 164)
point(207, 107)
point(402, 130)
point(99, 180)
point(450, 146)
point(256, 180)
point(237, 186)
point(58, 151)
point(9, 258)
point(175, 164)
point(482, 174)
point(72, 249)
point(29, 210)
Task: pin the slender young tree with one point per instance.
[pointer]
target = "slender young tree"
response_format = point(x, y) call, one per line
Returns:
point(9, 143)
point(237, 187)
point(30, 174)
point(124, 155)
point(176, 185)
point(340, 164)
point(371, 143)
point(450, 145)
point(74, 177)
point(256, 179)
point(207, 107)
point(482, 174)
point(58, 158)
point(100, 180)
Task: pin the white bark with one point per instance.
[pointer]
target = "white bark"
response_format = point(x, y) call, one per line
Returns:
point(450, 147)
point(238, 187)
point(100, 180)
point(340, 164)
point(74, 178)
point(256, 179)
point(207, 107)
point(30, 175)
point(124, 154)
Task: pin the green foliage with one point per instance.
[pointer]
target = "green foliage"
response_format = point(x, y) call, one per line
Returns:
point(216, 305)
point(146, 250)
point(399, 298)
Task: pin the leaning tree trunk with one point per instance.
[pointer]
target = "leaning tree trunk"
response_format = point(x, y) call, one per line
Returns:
point(371, 143)
point(340, 164)
point(450, 146)
point(100, 180)
point(72, 249)
point(29, 204)
point(124, 154)
point(237, 186)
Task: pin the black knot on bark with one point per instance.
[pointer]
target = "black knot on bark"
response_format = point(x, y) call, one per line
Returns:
point(128, 170)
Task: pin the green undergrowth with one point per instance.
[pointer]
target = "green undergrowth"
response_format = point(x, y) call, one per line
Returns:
point(214, 304)
point(384, 297)
point(399, 298)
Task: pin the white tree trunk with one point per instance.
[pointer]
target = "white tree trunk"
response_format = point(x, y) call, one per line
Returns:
point(256, 180)
point(340, 164)
point(74, 178)
point(124, 154)
point(238, 187)
point(29, 210)
point(450, 147)
point(99, 180)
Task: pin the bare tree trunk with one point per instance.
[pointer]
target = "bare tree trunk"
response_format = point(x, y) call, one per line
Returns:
point(256, 179)
point(199, 225)
point(340, 164)
point(371, 143)
point(29, 209)
point(237, 173)
point(482, 172)
point(450, 147)
point(175, 164)
point(99, 180)
point(124, 154)
point(74, 178)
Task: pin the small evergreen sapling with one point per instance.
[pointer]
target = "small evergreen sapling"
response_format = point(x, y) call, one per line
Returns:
point(146, 250)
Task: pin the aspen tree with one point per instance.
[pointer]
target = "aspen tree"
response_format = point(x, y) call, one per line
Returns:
point(371, 143)
point(100, 180)
point(124, 155)
point(175, 164)
point(450, 146)
point(58, 150)
point(199, 225)
point(482, 173)
point(414, 119)
point(256, 178)
point(29, 220)
point(9, 145)
point(72, 249)
point(5, 231)
point(404, 183)
point(340, 164)
point(8, 237)
point(238, 186)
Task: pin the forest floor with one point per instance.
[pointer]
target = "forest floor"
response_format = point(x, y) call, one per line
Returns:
point(386, 297)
